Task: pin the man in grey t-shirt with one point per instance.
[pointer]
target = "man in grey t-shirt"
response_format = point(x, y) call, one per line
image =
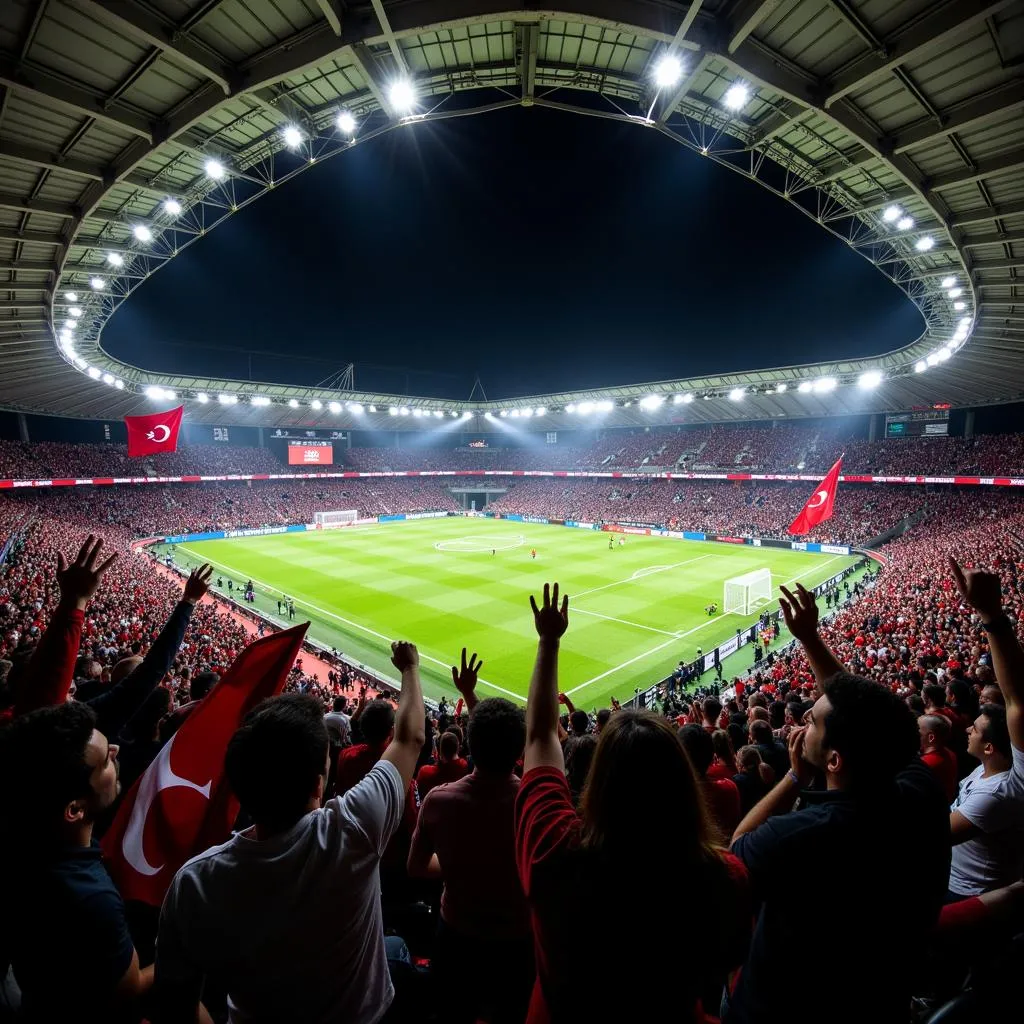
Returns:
point(286, 915)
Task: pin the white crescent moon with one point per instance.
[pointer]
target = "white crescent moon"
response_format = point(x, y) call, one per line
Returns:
point(159, 776)
point(822, 497)
point(165, 429)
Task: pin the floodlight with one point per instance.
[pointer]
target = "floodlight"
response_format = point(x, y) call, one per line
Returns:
point(71, 296)
point(539, 412)
point(115, 259)
point(292, 136)
point(504, 412)
point(402, 95)
point(346, 123)
point(438, 414)
point(373, 408)
point(75, 311)
point(355, 407)
point(570, 407)
point(677, 399)
point(920, 366)
point(202, 398)
point(454, 414)
point(79, 362)
point(466, 415)
point(668, 71)
point(227, 399)
point(779, 388)
point(514, 414)
point(965, 322)
point(825, 384)
point(316, 404)
point(335, 407)
point(172, 207)
point(392, 411)
point(687, 398)
point(955, 293)
point(805, 386)
point(948, 282)
point(526, 413)
point(142, 233)
point(97, 283)
point(944, 354)
point(959, 305)
point(403, 411)
point(259, 400)
point(932, 358)
point(415, 412)
point(736, 96)
point(93, 372)
point(606, 406)
point(214, 169)
point(585, 407)
point(651, 401)
point(891, 213)
point(154, 392)
point(870, 379)
point(924, 243)
point(119, 384)
point(736, 395)
point(108, 378)
point(905, 223)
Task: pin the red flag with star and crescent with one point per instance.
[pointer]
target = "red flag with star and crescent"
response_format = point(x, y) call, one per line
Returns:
point(155, 433)
point(182, 804)
point(819, 505)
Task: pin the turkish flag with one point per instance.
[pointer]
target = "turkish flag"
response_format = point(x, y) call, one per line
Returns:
point(819, 505)
point(158, 432)
point(183, 804)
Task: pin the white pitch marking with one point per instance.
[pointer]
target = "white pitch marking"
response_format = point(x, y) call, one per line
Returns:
point(355, 625)
point(634, 578)
point(624, 622)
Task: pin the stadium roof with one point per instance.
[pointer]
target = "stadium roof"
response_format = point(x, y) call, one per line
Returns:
point(864, 116)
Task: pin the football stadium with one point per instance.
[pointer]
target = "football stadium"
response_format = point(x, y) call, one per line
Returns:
point(461, 461)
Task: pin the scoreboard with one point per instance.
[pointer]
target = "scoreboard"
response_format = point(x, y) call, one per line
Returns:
point(310, 453)
point(922, 423)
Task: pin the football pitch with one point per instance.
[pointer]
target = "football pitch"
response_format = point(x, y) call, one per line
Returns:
point(635, 610)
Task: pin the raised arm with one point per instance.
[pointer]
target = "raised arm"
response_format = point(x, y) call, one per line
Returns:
point(49, 674)
point(981, 591)
point(404, 750)
point(542, 746)
point(801, 614)
point(465, 681)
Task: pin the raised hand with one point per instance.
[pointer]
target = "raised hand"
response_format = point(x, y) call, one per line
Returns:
point(79, 580)
point(404, 655)
point(797, 765)
point(197, 584)
point(800, 612)
point(465, 677)
point(979, 589)
point(550, 620)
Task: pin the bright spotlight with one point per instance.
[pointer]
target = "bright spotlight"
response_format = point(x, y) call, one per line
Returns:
point(870, 379)
point(334, 407)
point(959, 305)
point(736, 96)
point(402, 95)
point(514, 414)
point(924, 243)
point(891, 213)
point(259, 400)
point(373, 408)
point(825, 384)
point(346, 123)
point(944, 354)
point(651, 401)
point(687, 398)
point(227, 399)
point(75, 311)
point(71, 296)
point(355, 407)
point(172, 207)
point(97, 283)
point(948, 282)
point(466, 415)
point(668, 71)
point(154, 392)
point(736, 395)
point(570, 407)
point(316, 404)
point(108, 378)
point(905, 223)
point(779, 388)
point(202, 398)
point(142, 233)
point(214, 169)
point(119, 384)
point(585, 407)
point(170, 395)
point(504, 412)
point(920, 366)
point(392, 411)
point(539, 412)
point(955, 293)
point(606, 406)
point(293, 403)
point(932, 358)
point(438, 414)
point(93, 372)
point(403, 411)
point(292, 136)
point(805, 386)
point(115, 259)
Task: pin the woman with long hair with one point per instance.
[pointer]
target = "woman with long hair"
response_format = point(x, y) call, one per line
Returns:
point(724, 765)
point(586, 874)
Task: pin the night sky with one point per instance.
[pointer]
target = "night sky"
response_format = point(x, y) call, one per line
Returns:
point(543, 250)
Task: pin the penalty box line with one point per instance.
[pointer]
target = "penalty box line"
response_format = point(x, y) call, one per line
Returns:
point(349, 622)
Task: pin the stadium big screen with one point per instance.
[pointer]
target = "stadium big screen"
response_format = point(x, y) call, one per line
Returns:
point(919, 423)
point(310, 453)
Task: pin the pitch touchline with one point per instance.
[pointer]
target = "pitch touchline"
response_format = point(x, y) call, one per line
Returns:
point(355, 625)
point(635, 578)
point(625, 622)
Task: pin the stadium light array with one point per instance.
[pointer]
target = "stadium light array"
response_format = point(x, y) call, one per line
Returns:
point(825, 384)
point(292, 136)
point(93, 372)
point(955, 293)
point(402, 95)
point(316, 404)
point(668, 71)
point(227, 399)
point(736, 395)
point(334, 407)
point(75, 311)
point(438, 414)
point(651, 402)
point(805, 386)
point(346, 123)
point(108, 378)
point(115, 259)
point(924, 243)
point(403, 410)
point(159, 394)
point(959, 305)
point(536, 412)
point(932, 358)
point(891, 214)
point(920, 366)
point(97, 284)
point(142, 233)
point(948, 282)
point(905, 223)
point(172, 207)
point(202, 398)
point(71, 296)
point(373, 408)
point(119, 384)
point(779, 388)
point(466, 414)
point(504, 413)
point(215, 170)
point(355, 407)
point(259, 400)
point(293, 403)
point(870, 379)
point(943, 354)
point(736, 96)
point(392, 411)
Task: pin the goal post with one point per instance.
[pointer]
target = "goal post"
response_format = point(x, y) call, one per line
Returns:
point(339, 517)
point(745, 594)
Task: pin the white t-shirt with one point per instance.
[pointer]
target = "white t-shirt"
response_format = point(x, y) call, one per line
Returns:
point(291, 926)
point(996, 806)
point(339, 725)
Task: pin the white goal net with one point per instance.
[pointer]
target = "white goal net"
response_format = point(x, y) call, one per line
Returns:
point(336, 518)
point(745, 594)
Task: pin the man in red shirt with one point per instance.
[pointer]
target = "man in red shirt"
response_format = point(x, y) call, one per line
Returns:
point(935, 752)
point(449, 768)
point(483, 959)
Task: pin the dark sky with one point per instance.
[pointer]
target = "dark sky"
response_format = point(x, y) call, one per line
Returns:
point(543, 250)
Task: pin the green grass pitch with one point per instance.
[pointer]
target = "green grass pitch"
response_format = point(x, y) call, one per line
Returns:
point(635, 611)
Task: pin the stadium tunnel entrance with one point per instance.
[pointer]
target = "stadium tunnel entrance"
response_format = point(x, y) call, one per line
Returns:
point(476, 498)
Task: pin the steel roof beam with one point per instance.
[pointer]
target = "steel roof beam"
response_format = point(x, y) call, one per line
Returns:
point(1010, 161)
point(366, 66)
point(51, 161)
point(669, 106)
point(389, 35)
point(1004, 264)
point(30, 237)
point(529, 36)
point(31, 266)
point(331, 10)
point(42, 85)
point(131, 20)
point(840, 165)
point(990, 106)
point(745, 17)
point(778, 122)
point(987, 213)
point(930, 31)
point(22, 304)
point(995, 238)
